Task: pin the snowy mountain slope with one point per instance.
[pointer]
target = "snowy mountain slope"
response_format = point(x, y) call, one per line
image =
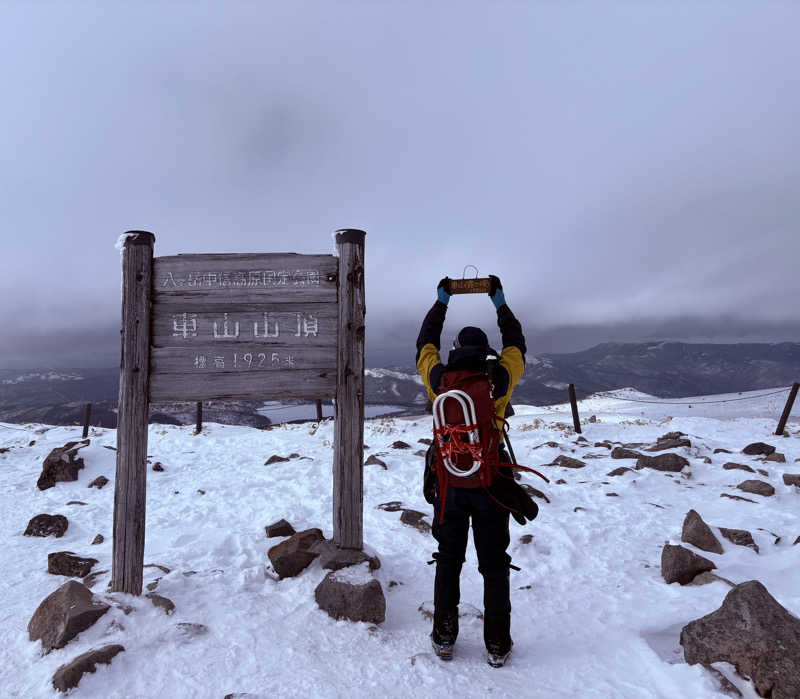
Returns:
point(592, 616)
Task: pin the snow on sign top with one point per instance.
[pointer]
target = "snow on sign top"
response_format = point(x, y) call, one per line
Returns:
point(243, 326)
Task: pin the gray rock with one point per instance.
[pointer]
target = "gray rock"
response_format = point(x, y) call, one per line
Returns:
point(679, 564)
point(61, 465)
point(373, 460)
point(98, 482)
point(425, 440)
point(400, 444)
point(620, 470)
point(731, 466)
point(720, 450)
point(526, 539)
point(413, 518)
point(697, 533)
point(294, 555)
point(623, 453)
point(756, 487)
point(99, 539)
point(69, 675)
point(735, 497)
point(275, 459)
point(164, 603)
point(67, 563)
point(331, 557)
point(63, 614)
point(777, 457)
point(76, 502)
point(158, 467)
point(763, 472)
point(792, 479)
point(605, 444)
point(664, 444)
point(755, 634)
point(758, 449)
point(796, 541)
point(47, 525)
point(740, 537)
point(391, 506)
point(567, 462)
point(351, 597)
point(279, 528)
point(663, 462)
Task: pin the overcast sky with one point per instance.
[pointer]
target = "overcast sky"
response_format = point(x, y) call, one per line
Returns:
point(631, 170)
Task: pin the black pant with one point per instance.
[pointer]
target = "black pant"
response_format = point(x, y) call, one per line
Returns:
point(491, 538)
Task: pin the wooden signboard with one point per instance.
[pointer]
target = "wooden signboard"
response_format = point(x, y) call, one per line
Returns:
point(473, 285)
point(241, 326)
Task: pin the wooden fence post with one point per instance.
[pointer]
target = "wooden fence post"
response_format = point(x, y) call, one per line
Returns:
point(199, 427)
point(348, 454)
point(319, 410)
point(87, 418)
point(576, 421)
point(787, 409)
point(130, 485)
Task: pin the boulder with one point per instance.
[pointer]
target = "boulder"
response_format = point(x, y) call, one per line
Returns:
point(792, 479)
point(672, 443)
point(373, 460)
point(98, 482)
point(663, 462)
point(63, 614)
point(567, 462)
point(279, 528)
point(679, 564)
point(697, 533)
point(400, 444)
point(47, 525)
point(352, 593)
point(67, 563)
point(777, 457)
point(164, 603)
point(740, 537)
point(69, 675)
point(331, 557)
point(619, 471)
point(275, 459)
point(755, 634)
point(756, 487)
point(623, 453)
point(61, 465)
point(294, 555)
point(758, 449)
point(731, 466)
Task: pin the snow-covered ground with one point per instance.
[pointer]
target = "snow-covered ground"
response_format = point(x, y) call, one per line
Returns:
point(592, 616)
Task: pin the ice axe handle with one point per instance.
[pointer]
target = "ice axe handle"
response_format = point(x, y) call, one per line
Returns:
point(477, 285)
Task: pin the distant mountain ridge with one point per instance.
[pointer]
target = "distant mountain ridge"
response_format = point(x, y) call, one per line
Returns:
point(665, 369)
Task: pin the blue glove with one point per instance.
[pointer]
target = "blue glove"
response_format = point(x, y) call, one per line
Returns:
point(443, 290)
point(496, 292)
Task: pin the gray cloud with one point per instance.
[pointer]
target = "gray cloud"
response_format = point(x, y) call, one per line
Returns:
point(627, 169)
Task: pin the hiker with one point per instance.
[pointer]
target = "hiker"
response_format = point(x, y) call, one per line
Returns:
point(488, 508)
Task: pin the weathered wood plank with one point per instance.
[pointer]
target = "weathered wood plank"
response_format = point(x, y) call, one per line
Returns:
point(247, 278)
point(206, 358)
point(251, 385)
point(269, 325)
point(130, 484)
point(348, 454)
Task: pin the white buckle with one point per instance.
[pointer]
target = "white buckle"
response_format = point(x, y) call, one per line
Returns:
point(468, 411)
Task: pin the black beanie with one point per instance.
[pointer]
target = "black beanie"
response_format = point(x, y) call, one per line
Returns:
point(471, 337)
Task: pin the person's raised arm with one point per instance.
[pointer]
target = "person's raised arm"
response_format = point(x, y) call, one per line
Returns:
point(429, 363)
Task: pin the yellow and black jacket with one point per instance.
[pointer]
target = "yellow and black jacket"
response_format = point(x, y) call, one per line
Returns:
point(510, 367)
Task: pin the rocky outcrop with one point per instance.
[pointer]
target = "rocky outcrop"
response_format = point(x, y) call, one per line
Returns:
point(295, 554)
point(758, 449)
point(63, 614)
point(697, 533)
point(792, 479)
point(619, 471)
point(47, 525)
point(61, 465)
point(623, 453)
point(352, 593)
point(756, 487)
point(755, 634)
point(731, 466)
point(663, 462)
point(67, 563)
point(671, 440)
point(776, 457)
point(679, 564)
point(740, 537)
point(69, 675)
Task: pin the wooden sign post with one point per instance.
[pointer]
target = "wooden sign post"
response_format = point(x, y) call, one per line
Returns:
point(238, 327)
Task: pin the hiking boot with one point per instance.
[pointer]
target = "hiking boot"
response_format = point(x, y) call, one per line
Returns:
point(442, 650)
point(445, 632)
point(496, 657)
